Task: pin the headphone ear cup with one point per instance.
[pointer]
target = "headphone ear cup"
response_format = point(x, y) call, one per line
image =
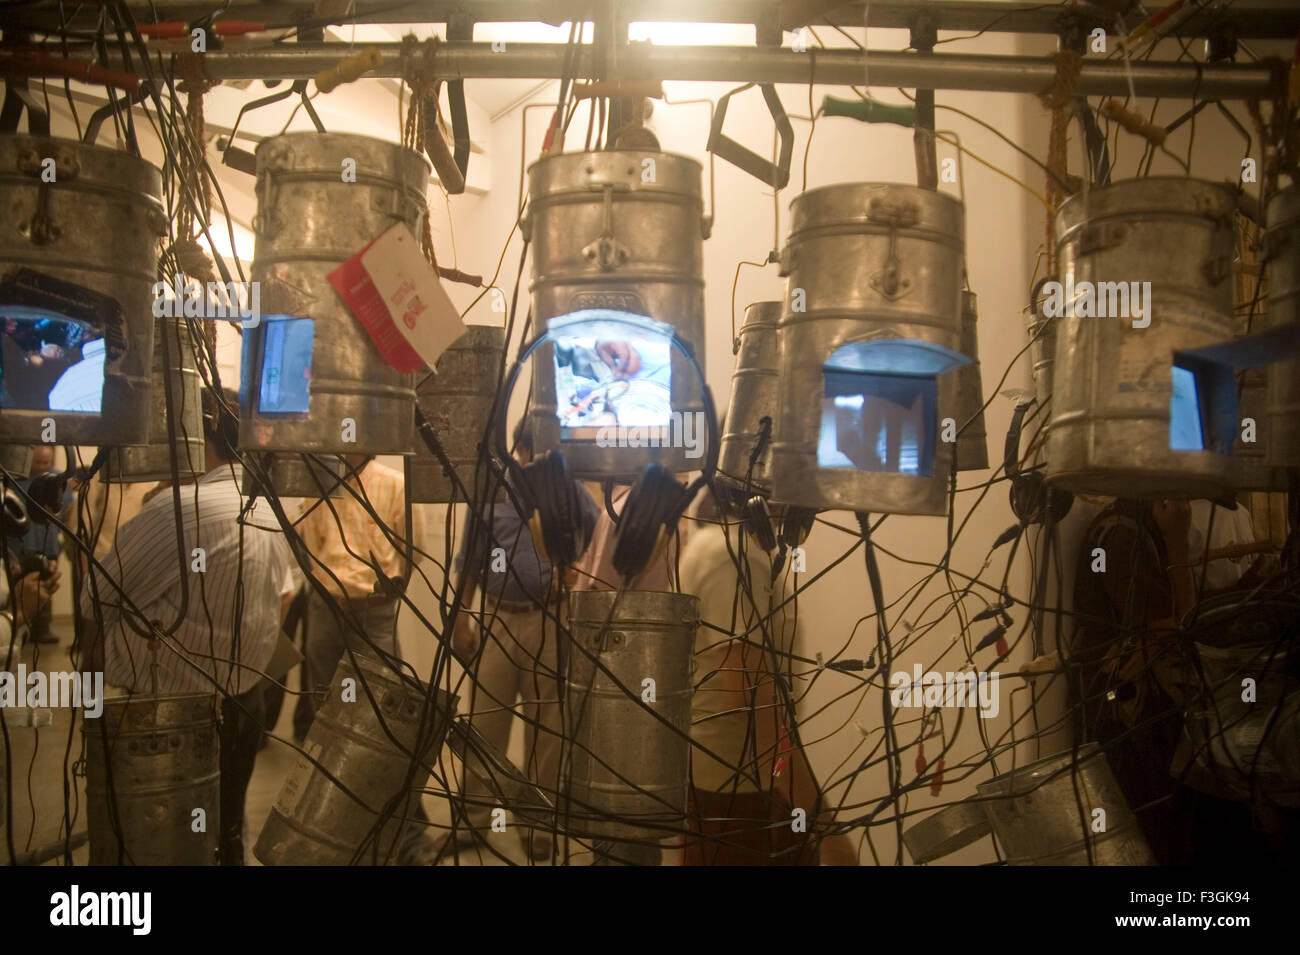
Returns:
point(656, 502)
point(555, 507)
point(1032, 497)
point(797, 525)
point(14, 515)
point(760, 523)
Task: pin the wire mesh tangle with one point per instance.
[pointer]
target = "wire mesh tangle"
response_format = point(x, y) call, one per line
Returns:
point(961, 668)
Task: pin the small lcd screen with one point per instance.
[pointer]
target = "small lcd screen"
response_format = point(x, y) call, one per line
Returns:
point(601, 383)
point(875, 422)
point(49, 362)
point(286, 365)
point(1185, 430)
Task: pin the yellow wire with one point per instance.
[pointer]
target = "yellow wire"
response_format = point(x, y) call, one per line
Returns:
point(1000, 172)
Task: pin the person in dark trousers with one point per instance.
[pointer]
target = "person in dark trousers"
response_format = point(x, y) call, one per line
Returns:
point(223, 622)
point(513, 648)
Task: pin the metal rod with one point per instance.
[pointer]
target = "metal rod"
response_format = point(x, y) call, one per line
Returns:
point(949, 71)
point(1251, 19)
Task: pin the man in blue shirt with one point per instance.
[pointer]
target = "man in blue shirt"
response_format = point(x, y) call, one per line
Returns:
point(511, 648)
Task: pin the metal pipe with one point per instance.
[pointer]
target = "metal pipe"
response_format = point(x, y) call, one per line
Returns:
point(1251, 19)
point(730, 64)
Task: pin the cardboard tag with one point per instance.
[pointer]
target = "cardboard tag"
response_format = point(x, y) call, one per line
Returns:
point(397, 296)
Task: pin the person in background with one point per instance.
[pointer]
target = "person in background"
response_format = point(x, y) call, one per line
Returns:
point(515, 642)
point(218, 626)
point(30, 595)
point(341, 536)
point(38, 550)
point(741, 803)
point(349, 551)
point(1131, 672)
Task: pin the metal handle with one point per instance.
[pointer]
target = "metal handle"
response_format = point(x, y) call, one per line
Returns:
point(775, 174)
point(264, 221)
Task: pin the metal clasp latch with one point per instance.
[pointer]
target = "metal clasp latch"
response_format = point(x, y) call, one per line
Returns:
point(42, 229)
point(606, 250)
point(889, 280)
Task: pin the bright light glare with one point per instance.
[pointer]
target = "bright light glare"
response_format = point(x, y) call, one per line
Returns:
point(529, 32)
point(244, 241)
point(693, 34)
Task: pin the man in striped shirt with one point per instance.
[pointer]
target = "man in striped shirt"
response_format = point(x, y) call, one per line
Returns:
point(198, 612)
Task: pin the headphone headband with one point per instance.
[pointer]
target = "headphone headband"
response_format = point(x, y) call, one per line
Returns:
point(639, 323)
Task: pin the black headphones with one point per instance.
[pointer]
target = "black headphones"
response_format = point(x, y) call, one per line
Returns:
point(1031, 496)
point(547, 497)
point(555, 511)
point(13, 516)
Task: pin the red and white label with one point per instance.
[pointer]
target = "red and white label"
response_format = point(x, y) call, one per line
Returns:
point(397, 297)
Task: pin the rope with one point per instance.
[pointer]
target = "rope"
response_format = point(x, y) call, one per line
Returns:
point(1060, 100)
point(420, 74)
point(195, 177)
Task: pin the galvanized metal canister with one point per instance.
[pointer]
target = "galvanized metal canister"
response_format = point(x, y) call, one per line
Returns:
point(1251, 469)
point(1237, 744)
point(1282, 241)
point(150, 763)
point(296, 475)
point(1042, 351)
point(621, 230)
point(309, 221)
point(96, 225)
point(457, 399)
point(753, 398)
point(1043, 813)
point(951, 828)
point(364, 736)
point(152, 461)
point(972, 443)
point(866, 263)
point(1110, 426)
point(628, 770)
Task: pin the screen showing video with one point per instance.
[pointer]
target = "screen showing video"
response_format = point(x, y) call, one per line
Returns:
point(875, 422)
point(1185, 430)
point(603, 383)
point(49, 362)
point(286, 365)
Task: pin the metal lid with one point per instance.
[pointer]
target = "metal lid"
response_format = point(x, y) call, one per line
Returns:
point(1151, 196)
point(626, 170)
point(876, 207)
point(946, 831)
point(761, 314)
point(320, 154)
point(78, 165)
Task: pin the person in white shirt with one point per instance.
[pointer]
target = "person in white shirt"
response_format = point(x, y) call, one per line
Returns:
point(741, 803)
point(203, 617)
